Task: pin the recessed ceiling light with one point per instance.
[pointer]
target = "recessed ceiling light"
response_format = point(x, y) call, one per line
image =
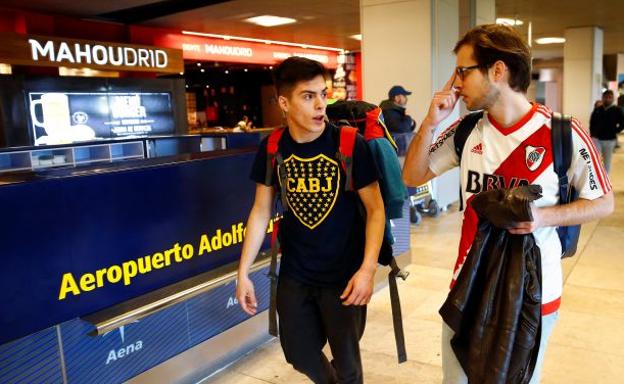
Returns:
point(550, 40)
point(202, 70)
point(227, 72)
point(510, 22)
point(207, 86)
point(270, 21)
point(245, 69)
point(199, 64)
point(181, 73)
point(356, 37)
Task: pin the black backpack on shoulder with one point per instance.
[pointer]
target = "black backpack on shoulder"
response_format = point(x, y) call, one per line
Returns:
point(561, 136)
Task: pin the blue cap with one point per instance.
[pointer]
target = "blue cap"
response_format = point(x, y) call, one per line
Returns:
point(398, 90)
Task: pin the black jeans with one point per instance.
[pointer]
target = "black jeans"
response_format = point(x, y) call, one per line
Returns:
point(309, 317)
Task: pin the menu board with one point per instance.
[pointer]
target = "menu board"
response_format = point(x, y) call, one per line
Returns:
point(68, 117)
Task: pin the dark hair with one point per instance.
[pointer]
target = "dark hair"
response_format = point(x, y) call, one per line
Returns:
point(493, 42)
point(294, 70)
point(607, 92)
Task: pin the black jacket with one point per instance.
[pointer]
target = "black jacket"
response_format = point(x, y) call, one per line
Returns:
point(395, 118)
point(494, 308)
point(606, 123)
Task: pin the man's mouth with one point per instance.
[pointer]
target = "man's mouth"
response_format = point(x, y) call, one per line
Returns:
point(319, 119)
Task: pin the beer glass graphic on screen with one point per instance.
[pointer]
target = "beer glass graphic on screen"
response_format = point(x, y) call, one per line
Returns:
point(56, 117)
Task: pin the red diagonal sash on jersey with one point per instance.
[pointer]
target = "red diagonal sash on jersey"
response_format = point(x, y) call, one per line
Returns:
point(514, 167)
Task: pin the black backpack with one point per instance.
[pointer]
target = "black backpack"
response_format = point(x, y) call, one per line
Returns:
point(561, 136)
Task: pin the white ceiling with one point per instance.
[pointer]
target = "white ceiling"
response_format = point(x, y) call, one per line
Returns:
point(551, 18)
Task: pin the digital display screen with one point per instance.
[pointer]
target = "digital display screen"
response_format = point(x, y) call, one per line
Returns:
point(68, 117)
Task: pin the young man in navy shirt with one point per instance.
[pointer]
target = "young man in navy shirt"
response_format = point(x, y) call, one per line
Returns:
point(330, 237)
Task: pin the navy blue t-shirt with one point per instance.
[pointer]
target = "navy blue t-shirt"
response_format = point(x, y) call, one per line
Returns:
point(322, 234)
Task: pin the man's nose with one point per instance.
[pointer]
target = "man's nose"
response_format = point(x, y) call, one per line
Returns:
point(319, 102)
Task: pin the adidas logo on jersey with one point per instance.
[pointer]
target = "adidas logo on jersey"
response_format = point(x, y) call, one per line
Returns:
point(478, 149)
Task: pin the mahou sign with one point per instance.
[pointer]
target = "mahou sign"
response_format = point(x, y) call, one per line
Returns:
point(56, 52)
point(215, 49)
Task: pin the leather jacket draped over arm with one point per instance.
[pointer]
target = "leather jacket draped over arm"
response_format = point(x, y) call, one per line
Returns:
point(494, 308)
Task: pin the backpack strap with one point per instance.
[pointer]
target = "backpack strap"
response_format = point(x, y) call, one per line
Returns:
point(465, 127)
point(272, 149)
point(561, 136)
point(395, 304)
point(346, 143)
point(463, 130)
point(275, 249)
point(275, 157)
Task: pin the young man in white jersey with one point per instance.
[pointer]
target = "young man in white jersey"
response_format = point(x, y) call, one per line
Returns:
point(509, 146)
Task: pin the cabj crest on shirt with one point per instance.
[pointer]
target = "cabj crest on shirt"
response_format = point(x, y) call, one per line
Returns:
point(312, 187)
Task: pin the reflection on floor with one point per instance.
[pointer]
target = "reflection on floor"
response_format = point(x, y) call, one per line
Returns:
point(587, 345)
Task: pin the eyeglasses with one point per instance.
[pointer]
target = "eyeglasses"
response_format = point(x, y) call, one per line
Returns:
point(461, 71)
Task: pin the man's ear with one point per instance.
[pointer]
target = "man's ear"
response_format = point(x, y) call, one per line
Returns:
point(283, 103)
point(499, 71)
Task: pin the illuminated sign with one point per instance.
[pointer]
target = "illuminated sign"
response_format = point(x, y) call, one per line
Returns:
point(63, 52)
point(215, 49)
point(48, 51)
point(67, 117)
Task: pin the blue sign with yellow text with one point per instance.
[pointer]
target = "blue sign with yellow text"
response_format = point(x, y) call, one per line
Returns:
point(76, 242)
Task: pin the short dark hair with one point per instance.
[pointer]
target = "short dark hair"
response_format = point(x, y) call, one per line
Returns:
point(607, 92)
point(494, 42)
point(294, 70)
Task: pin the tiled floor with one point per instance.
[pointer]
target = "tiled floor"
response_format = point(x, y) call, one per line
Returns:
point(587, 345)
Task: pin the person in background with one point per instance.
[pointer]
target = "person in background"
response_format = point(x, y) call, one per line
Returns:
point(395, 117)
point(605, 123)
point(245, 125)
point(620, 104)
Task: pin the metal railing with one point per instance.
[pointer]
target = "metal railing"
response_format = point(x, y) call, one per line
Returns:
point(137, 308)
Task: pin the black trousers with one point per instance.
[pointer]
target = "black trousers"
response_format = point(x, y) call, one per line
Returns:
point(309, 317)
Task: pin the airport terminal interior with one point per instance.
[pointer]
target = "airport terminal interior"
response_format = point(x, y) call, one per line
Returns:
point(128, 131)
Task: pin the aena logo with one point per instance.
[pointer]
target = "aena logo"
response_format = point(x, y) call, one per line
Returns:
point(116, 354)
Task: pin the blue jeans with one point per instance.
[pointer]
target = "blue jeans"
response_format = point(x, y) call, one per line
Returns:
point(605, 148)
point(453, 372)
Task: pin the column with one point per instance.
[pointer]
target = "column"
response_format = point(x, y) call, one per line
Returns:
point(397, 49)
point(410, 43)
point(582, 71)
point(476, 12)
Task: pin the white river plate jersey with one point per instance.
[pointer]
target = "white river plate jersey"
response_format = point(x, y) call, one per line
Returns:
point(496, 157)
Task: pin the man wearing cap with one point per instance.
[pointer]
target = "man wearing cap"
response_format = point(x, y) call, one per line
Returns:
point(397, 121)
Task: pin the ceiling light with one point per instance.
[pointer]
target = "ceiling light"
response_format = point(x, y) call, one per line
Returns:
point(199, 64)
point(227, 72)
point(202, 70)
point(270, 21)
point(181, 73)
point(510, 22)
point(356, 37)
point(245, 69)
point(550, 40)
